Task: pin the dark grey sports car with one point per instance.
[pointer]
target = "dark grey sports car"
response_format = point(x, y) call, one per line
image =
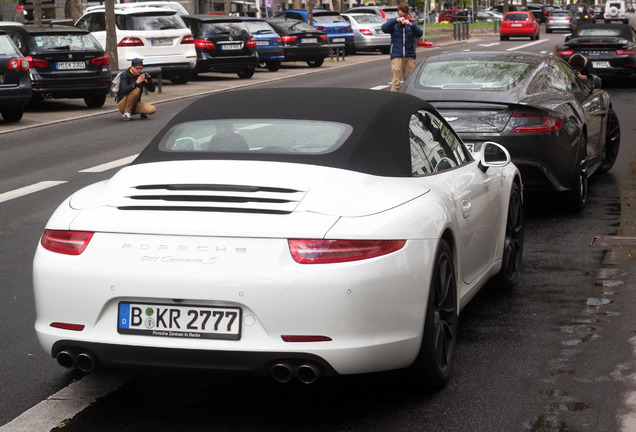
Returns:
point(558, 131)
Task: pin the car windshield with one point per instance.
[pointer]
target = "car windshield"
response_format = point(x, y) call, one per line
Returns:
point(6, 47)
point(471, 74)
point(259, 27)
point(65, 41)
point(368, 19)
point(517, 17)
point(328, 18)
point(599, 32)
point(255, 135)
point(222, 28)
point(150, 21)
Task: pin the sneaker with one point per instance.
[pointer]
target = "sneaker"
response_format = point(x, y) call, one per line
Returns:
point(126, 116)
point(144, 116)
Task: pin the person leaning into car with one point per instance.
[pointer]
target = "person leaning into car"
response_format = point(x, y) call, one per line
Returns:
point(133, 81)
point(404, 34)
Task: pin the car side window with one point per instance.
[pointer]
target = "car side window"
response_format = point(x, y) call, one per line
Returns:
point(573, 83)
point(556, 80)
point(434, 146)
point(18, 42)
point(84, 23)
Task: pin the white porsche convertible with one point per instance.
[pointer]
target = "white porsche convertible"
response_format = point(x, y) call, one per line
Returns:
point(314, 238)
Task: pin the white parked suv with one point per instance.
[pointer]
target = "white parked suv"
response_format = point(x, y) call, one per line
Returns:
point(155, 34)
point(615, 10)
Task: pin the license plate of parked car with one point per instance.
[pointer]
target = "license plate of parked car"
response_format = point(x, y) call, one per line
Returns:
point(338, 40)
point(515, 25)
point(193, 322)
point(309, 40)
point(600, 64)
point(231, 47)
point(261, 43)
point(161, 42)
point(70, 65)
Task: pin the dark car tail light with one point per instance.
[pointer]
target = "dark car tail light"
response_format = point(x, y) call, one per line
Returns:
point(187, 39)
point(321, 28)
point(66, 242)
point(625, 52)
point(129, 41)
point(19, 63)
point(287, 39)
point(101, 61)
point(565, 52)
point(37, 63)
point(366, 32)
point(324, 37)
point(204, 44)
point(337, 251)
point(526, 123)
point(251, 43)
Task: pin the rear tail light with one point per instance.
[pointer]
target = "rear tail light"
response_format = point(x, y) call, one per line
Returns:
point(66, 242)
point(204, 44)
point(130, 42)
point(187, 39)
point(251, 43)
point(525, 123)
point(625, 52)
point(567, 19)
point(366, 32)
point(19, 63)
point(550, 19)
point(383, 14)
point(321, 28)
point(37, 63)
point(324, 37)
point(338, 251)
point(101, 61)
point(565, 52)
point(289, 38)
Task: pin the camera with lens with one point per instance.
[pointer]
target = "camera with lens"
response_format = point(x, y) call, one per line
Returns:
point(147, 76)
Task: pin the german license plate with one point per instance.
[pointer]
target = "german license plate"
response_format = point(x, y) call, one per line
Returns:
point(309, 40)
point(161, 42)
point(187, 322)
point(338, 40)
point(70, 65)
point(231, 47)
point(600, 64)
point(261, 43)
point(515, 25)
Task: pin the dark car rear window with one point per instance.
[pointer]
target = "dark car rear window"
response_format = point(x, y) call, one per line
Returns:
point(560, 13)
point(517, 17)
point(328, 17)
point(150, 21)
point(64, 41)
point(222, 29)
point(259, 27)
point(602, 32)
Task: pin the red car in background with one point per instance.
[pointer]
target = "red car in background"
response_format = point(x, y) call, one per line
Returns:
point(519, 24)
point(453, 15)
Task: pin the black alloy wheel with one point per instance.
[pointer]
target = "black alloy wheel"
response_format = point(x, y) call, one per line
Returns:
point(513, 242)
point(245, 73)
point(433, 365)
point(181, 78)
point(577, 195)
point(13, 115)
point(315, 63)
point(612, 142)
point(95, 101)
point(273, 66)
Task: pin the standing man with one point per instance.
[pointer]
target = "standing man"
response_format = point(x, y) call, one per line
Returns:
point(133, 81)
point(403, 33)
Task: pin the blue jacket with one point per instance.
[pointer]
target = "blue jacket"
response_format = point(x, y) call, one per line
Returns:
point(403, 38)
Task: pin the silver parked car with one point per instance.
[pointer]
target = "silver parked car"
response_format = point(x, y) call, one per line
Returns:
point(561, 20)
point(367, 32)
point(384, 12)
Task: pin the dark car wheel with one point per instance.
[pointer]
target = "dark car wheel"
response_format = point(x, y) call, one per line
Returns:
point(385, 50)
point(612, 143)
point(577, 196)
point(503, 38)
point(13, 115)
point(513, 242)
point(273, 66)
point(246, 73)
point(548, 30)
point(434, 362)
point(181, 78)
point(95, 101)
point(315, 63)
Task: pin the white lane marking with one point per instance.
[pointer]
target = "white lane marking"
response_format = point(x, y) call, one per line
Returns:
point(110, 165)
point(379, 87)
point(68, 402)
point(16, 193)
point(490, 44)
point(527, 45)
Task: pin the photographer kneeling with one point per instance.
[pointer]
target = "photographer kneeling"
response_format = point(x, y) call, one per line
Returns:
point(133, 81)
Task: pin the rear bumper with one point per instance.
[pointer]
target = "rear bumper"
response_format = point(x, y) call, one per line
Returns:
point(15, 96)
point(226, 64)
point(304, 54)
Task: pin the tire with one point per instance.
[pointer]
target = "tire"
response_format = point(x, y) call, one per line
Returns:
point(503, 38)
point(548, 30)
point(95, 101)
point(273, 66)
point(612, 143)
point(315, 63)
point(538, 35)
point(14, 115)
point(351, 50)
point(577, 195)
point(246, 73)
point(385, 50)
point(434, 362)
point(181, 78)
point(513, 241)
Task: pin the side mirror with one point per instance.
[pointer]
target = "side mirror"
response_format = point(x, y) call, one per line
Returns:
point(492, 155)
point(567, 38)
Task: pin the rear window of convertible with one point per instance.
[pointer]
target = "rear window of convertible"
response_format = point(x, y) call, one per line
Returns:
point(255, 135)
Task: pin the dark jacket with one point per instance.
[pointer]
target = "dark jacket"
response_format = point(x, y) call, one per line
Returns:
point(403, 38)
point(129, 82)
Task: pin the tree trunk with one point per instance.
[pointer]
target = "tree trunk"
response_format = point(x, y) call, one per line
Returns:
point(296, 4)
point(73, 9)
point(37, 12)
point(226, 7)
point(335, 6)
point(111, 35)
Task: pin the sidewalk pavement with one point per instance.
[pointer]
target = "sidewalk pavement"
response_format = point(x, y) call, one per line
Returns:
point(53, 111)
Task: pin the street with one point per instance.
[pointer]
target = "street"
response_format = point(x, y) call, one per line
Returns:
point(558, 353)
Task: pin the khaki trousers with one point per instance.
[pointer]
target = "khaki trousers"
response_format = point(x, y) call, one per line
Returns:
point(131, 104)
point(401, 68)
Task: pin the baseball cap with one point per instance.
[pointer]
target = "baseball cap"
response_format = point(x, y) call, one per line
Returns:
point(137, 62)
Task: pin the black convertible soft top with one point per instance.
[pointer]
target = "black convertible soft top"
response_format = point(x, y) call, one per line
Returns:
point(377, 145)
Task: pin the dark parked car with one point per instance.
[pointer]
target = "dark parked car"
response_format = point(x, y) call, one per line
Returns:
point(65, 62)
point(540, 11)
point(599, 11)
point(583, 12)
point(301, 42)
point(610, 48)
point(337, 29)
point(269, 45)
point(15, 82)
point(558, 131)
point(223, 44)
